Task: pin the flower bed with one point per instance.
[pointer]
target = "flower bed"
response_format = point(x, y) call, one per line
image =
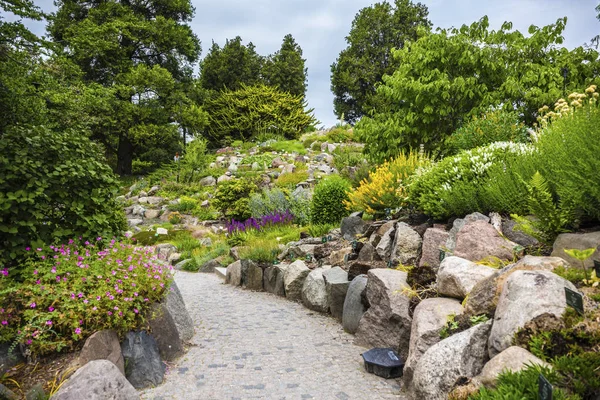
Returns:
point(65, 293)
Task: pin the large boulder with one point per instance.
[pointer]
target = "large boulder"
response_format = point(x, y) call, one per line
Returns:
point(143, 366)
point(337, 257)
point(462, 355)
point(526, 295)
point(176, 307)
point(434, 240)
point(103, 345)
point(457, 276)
point(458, 224)
point(234, 273)
point(273, 279)
point(407, 245)
point(354, 304)
point(579, 241)
point(352, 227)
point(379, 231)
point(164, 331)
point(384, 245)
point(387, 323)
point(429, 317)
point(252, 275)
point(209, 266)
point(517, 236)
point(97, 380)
point(293, 279)
point(512, 359)
point(208, 181)
point(164, 250)
point(314, 292)
point(483, 298)
point(479, 240)
point(368, 253)
point(336, 286)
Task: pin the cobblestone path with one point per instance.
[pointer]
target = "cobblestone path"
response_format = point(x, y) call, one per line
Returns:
point(251, 345)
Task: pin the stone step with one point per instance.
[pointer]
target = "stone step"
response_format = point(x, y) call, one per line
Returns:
point(221, 272)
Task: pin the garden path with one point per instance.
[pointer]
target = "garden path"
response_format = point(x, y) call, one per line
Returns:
point(251, 345)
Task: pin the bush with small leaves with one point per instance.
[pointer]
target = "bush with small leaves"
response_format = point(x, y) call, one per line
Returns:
point(53, 186)
point(328, 200)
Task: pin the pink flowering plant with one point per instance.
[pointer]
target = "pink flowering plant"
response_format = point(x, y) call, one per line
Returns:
point(65, 293)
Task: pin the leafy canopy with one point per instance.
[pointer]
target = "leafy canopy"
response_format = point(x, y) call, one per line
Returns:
point(359, 68)
point(445, 78)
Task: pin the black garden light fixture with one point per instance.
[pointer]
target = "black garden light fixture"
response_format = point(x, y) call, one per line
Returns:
point(383, 362)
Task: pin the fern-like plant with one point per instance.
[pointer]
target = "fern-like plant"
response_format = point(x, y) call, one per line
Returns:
point(552, 219)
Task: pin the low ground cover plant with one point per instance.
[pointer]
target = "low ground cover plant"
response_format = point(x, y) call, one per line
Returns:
point(72, 290)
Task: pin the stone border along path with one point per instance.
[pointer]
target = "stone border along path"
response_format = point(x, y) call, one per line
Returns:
point(255, 345)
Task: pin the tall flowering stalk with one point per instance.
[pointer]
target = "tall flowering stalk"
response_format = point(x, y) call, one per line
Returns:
point(257, 224)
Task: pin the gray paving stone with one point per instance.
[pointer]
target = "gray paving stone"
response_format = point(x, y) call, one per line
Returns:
point(255, 345)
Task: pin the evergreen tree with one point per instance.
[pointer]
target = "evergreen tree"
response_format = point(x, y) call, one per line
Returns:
point(137, 53)
point(286, 69)
point(359, 68)
point(231, 67)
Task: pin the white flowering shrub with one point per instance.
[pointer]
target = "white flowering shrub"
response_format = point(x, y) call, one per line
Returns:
point(453, 186)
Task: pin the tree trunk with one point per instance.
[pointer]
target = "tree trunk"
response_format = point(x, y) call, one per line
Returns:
point(124, 156)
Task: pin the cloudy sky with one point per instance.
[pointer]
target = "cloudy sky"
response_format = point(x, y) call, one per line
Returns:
point(320, 27)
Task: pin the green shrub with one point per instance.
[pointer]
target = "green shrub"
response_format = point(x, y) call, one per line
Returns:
point(53, 186)
point(348, 156)
point(269, 201)
point(493, 126)
point(455, 185)
point(244, 113)
point(300, 204)
point(569, 149)
point(204, 254)
point(186, 205)
point(328, 202)
point(318, 230)
point(290, 180)
point(522, 385)
point(286, 146)
point(260, 250)
point(139, 167)
point(339, 135)
point(69, 292)
point(232, 198)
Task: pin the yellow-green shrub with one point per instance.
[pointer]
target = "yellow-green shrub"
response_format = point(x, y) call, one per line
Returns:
point(386, 186)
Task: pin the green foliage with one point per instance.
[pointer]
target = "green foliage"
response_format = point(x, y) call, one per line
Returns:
point(133, 60)
point(242, 114)
point(285, 69)
point(300, 205)
point(53, 186)
point(568, 148)
point(522, 385)
point(454, 186)
point(63, 300)
point(260, 250)
point(445, 78)
point(551, 219)
point(348, 156)
point(232, 198)
point(319, 230)
point(328, 200)
point(202, 255)
point(185, 205)
point(231, 67)
point(375, 31)
point(493, 126)
point(269, 201)
point(286, 146)
point(290, 180)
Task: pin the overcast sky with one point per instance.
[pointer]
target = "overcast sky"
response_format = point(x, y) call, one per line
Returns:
point(320, 27)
